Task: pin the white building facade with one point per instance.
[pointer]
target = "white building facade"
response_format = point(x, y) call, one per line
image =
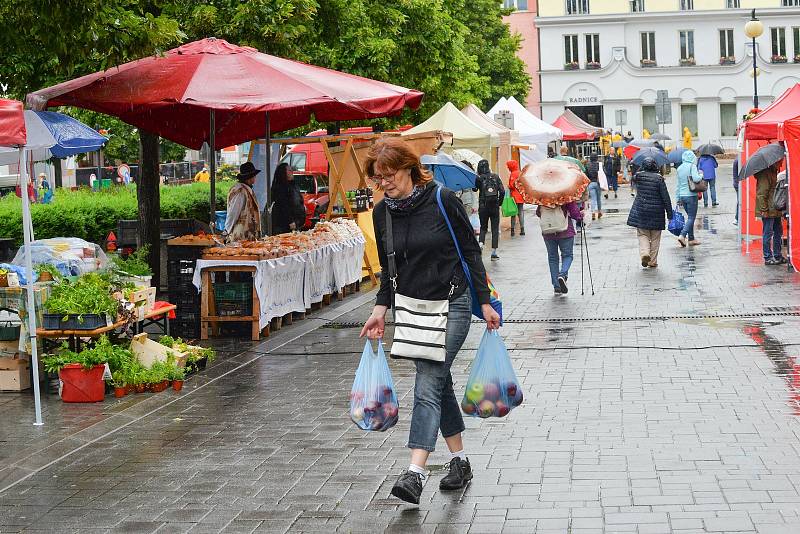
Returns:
point(598, 62)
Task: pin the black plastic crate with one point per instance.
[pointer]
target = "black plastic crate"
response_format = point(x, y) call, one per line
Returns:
point(128, 230)
point(88, 321)
point(233, 298)
point(186, 326)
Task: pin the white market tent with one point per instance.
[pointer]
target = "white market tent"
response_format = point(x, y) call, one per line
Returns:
point(502, 139)
point(532, 130)
point(466, 134)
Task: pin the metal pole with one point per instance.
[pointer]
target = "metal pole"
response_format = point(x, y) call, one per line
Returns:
point(755, 75)
point(213, 168)
point(268, 181)
point(27, 231)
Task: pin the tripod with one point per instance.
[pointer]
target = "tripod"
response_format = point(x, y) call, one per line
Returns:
point(584, 244)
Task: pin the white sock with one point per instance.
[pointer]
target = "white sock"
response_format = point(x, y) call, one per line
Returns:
point(419, 470)
point(460, 454)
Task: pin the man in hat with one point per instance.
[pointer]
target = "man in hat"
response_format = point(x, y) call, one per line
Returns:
point(243, 222)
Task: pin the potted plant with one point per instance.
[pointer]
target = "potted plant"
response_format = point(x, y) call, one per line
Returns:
point(81, 374)
point(572, 65)
point(797, 58)
point(779, 58)
point(3, 277)
point(134, 268)
point(47, 272)
point(120, 387)
point(176, 374)
point(727, 60)
point(593, 65)
point(647, 62)
point(197, 357)
point(86, 304)
point(687, 61)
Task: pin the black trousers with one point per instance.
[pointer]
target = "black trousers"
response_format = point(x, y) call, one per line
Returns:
point(486, 213)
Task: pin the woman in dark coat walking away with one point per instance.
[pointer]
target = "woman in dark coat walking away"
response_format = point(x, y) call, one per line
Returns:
point(490, 197)
point(652, 202)
point(288, 210)
point(610, 166)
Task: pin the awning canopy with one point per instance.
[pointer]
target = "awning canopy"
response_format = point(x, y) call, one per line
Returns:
point(12, 123)
point(575, 128)
point(172, 95)
point(531, 129)
point(765, 124)
point(466, 134)
point(500, 134)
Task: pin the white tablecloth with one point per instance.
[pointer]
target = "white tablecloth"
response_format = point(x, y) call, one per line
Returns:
point(293, 283)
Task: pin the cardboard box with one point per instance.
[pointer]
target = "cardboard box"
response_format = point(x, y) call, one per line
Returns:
point(148, 351)
point(15, 374)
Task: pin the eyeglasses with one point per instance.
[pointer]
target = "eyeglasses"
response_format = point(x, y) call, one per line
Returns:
point(388, 178)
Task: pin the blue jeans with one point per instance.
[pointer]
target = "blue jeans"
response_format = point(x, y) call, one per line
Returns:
point(613, 182)
point(712, 188)
point(435, 404)
point(772, 241)
point(565, 245)
point(690, 205)
point(594, 196)
point(736, 187)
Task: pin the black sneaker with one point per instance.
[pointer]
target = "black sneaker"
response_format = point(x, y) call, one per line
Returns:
point(557, 290)
point(782, 260)
point(495, 257)
point(562, 284)
point(522, 232)
point(771, 261)
point(408, 487)
point(460, 474)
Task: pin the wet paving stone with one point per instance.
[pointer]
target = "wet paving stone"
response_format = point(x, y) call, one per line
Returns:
point(668, 401)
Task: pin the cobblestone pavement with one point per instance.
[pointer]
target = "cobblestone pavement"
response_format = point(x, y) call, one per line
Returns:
point(667, 401)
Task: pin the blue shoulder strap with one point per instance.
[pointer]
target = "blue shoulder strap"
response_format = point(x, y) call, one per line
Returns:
point(453, 235)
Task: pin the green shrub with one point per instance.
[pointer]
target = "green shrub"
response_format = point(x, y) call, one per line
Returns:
point(92, 215)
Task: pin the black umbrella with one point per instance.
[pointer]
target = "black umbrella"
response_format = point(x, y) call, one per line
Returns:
point(619, 144)
point(764, 158)
point(650, 152)
point(660, 137)
point(642, 143)
point(710, 149)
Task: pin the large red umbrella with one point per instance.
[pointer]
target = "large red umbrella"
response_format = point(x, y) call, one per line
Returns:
point(171, 95)
point(12, 123)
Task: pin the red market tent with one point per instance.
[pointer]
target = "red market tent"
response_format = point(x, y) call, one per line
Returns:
point(759, 131)
point(171, 95)
point(575, 128)
point(12, 123)
point(789, 132)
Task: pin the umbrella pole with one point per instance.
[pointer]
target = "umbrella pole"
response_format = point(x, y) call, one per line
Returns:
point(213, 167)
point(747, 199)
point(268, 169)
point(27, 228)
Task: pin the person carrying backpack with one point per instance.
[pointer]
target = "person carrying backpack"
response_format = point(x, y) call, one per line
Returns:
point(593, 173)
point(559, 237)
point(490, 196)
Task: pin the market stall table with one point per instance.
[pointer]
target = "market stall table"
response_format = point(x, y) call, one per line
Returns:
point(14, 300)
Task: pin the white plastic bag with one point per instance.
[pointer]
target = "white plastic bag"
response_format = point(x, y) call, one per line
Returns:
point(602, 179)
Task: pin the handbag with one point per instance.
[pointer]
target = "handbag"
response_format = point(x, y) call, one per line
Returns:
point(697, 187)
point(420, 326)
point(602, 179)
point(509, 207)
point(494, 297)
point(780, 198)
point(676, 223)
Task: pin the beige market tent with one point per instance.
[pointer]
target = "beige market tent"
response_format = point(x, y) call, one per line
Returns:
point(466, 133)
point(502, 139)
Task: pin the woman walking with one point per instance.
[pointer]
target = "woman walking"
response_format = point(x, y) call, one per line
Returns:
point(513, 166)
point(288, 210)
point(428, 268)
point(560, 244)
point(647, 213)
point(593, 172)
point(490, 196)
point(688, 198)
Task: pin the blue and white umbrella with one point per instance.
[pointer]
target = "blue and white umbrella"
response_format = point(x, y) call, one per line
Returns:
point(53, 134)
point(449, 172)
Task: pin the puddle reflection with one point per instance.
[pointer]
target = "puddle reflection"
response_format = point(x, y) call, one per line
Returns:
point(786, 366)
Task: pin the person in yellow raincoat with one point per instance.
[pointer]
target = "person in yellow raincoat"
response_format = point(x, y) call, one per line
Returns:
point(202, 175)
point(687, 139)
point(605, 143)
point(645, 134)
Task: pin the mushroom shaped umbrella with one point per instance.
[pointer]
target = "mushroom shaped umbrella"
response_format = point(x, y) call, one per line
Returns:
point(552, 182)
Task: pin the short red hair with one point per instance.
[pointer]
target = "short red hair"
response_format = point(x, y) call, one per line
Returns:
point(393, 153)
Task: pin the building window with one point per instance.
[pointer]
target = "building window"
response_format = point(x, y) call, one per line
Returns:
point(687, 47)
point(577, 7)
point(790, 3)
point(689, 118)
point(687, 5)
point(727, 53)
point(592, 50)
point(796, 40)
point(733, 4)
point(637, 6)
point(571, 51)
point(517, 5)
point(727, 116)
point(648, 48)
point(649, 118)
point(778, 45)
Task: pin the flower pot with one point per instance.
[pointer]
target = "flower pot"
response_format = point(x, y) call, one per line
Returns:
point(4, 280)
point(177, 385)
point(141, 388)
point(120, 392)
point(45, 277)
point(82, 385)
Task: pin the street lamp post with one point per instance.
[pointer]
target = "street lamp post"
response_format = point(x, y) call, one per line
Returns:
point(753, 29)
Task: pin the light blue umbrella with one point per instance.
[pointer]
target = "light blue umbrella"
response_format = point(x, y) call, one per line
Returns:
point(449, 172)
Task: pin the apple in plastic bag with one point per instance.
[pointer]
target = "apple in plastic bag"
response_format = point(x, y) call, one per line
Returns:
point(357, 414)
point(475, 393)
point(501, 409)
point(486, 408)
point(491, 391)
point(390, 410)
point(517, 398)
point(468, 407)
point(511, 388)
